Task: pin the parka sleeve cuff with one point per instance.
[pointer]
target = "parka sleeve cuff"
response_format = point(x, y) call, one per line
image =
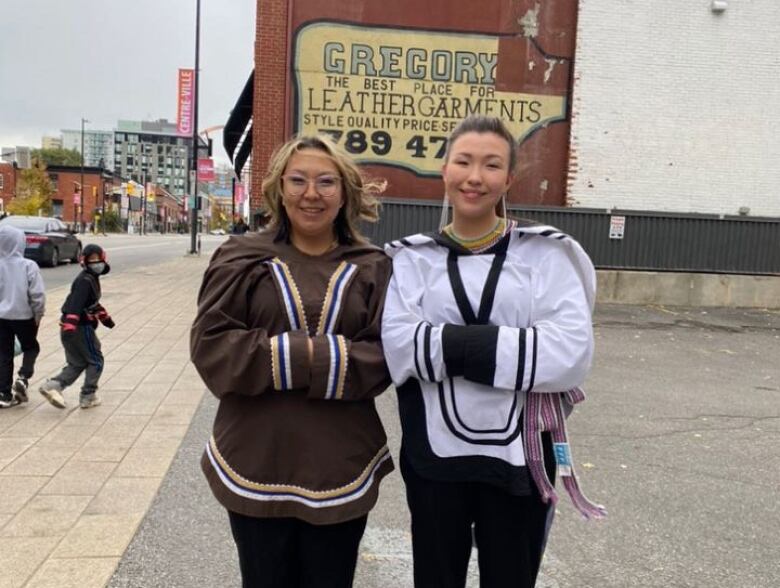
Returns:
point(290, 362)
point(329, 367)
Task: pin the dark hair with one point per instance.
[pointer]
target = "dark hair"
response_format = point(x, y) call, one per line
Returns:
point(477, 123)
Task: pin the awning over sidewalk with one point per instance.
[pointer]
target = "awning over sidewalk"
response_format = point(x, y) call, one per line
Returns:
point(237, 135)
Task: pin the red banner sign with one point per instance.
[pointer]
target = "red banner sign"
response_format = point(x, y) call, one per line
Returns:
point(239, 193)
point(184, 118)
point(205, 170)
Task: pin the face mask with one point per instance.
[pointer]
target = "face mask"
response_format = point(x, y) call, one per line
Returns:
point(97, 267)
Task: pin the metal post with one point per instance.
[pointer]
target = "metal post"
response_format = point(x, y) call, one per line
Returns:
point(143, 202)
point(81, 188)
point(195, 204)
point(103, 211)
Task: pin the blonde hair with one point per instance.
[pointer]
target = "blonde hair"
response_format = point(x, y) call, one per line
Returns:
point(360, 194)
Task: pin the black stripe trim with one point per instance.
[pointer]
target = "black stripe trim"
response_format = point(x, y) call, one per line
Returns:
point(482, 431)
point(416, 361)
point(416, 452)
point(459, 291)
point(488, 290)
point(427, 352)
point(491, 284)
point(533, 362)
point(406, 242)
point(520, 360)
point(462, 437)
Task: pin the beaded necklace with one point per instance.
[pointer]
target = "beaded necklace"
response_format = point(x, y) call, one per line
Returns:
point(483, 243)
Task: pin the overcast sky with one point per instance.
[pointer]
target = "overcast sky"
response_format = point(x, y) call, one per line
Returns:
point(105, 60)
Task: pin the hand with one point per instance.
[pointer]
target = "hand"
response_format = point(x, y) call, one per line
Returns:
point(105, 318)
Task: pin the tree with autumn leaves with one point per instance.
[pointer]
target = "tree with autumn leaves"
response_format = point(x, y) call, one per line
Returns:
point(33, 191)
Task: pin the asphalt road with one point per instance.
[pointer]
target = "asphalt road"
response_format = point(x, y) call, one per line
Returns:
point(130, 251)
point(678, 438)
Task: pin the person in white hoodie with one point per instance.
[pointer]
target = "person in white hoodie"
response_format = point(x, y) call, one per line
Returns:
point(22, 304)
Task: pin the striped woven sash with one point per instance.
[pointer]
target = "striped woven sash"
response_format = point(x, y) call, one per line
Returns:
point(544, 412)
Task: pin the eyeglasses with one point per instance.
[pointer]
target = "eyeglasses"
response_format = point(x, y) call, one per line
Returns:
point(326, 186)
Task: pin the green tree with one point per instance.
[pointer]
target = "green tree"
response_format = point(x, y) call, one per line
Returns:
point(57, 156)
point(113, 223)
point(33, 192)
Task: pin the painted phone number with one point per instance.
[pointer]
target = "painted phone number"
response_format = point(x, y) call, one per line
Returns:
point(380, 143)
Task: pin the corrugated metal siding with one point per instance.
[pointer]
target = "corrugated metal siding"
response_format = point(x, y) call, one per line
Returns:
point(652, 241)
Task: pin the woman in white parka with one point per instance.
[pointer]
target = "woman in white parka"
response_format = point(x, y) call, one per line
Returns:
point(486, 323)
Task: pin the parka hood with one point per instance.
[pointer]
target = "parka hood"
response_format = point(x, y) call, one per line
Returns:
point(12, 241)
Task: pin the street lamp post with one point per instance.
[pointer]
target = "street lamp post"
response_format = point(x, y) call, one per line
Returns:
point(195, 204)
point(81, 188)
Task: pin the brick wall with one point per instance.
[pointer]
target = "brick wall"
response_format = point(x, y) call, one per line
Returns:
point(673, 107)
point(65, 189)
point(270, 104)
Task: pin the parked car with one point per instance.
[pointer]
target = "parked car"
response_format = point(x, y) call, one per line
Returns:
point(49, 240)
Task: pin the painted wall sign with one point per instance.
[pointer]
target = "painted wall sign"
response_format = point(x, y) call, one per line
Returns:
point(391, 79)
point(391, 96)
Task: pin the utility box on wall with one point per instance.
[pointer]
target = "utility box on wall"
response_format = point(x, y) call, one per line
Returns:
point(390, 80)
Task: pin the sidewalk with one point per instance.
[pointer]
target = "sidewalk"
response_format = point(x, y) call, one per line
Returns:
point(75, 484)
point(678, 438)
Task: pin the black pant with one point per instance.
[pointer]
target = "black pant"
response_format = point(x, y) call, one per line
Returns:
point(290, 553)
point(510, 532)
point(27, 332)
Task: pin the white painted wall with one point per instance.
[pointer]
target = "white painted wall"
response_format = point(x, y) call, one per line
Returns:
point(676, 107)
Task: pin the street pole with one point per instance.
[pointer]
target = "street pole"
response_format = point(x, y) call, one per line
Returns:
point(144, 206)
point(81, 189)
point(143, 203)
point(195, 204)
point(233, 199)
point(103, 209)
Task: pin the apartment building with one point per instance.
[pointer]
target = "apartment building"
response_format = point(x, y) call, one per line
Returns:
point(153, 151)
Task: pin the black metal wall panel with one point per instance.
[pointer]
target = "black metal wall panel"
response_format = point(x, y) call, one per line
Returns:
point(651, 241)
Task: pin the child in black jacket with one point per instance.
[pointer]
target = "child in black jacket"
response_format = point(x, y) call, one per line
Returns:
point(80, 315)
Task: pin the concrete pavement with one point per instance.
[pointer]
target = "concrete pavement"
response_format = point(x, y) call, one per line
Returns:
point(678, 438)
point(75, 484)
